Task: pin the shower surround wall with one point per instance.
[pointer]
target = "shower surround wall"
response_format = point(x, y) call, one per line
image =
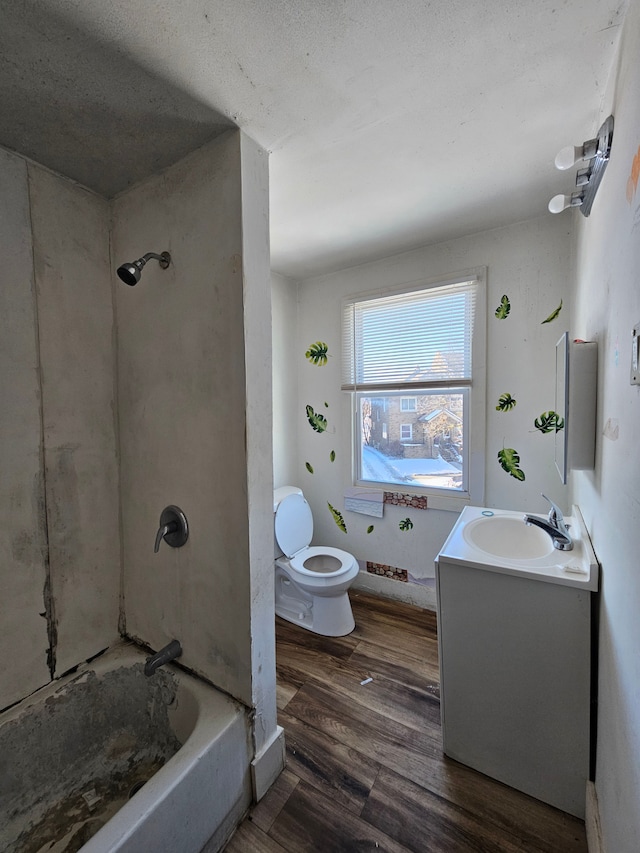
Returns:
point(184, 392)
point(86, 471)
point(59, 550)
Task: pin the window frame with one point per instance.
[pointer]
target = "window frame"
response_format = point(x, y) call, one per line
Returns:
point(474, 399)
point(404, 437)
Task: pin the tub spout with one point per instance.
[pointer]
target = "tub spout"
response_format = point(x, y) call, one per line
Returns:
point(170, 652)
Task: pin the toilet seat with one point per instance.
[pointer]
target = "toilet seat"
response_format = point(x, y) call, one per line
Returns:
point(294, 531)
point(317, 553)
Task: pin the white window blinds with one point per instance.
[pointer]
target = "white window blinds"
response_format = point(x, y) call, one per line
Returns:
point(418, 338)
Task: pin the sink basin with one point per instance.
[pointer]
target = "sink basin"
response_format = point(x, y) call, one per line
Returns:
point(508, 537)
point(499, 541)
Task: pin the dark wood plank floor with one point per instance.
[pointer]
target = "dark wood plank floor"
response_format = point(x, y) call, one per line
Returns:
point(365, 769)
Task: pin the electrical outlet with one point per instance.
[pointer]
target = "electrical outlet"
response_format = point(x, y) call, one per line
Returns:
point(635, 356)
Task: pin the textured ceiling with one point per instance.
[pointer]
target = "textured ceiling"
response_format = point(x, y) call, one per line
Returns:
point(390, 124)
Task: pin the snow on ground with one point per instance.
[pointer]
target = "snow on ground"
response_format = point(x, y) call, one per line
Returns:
point(378, 467)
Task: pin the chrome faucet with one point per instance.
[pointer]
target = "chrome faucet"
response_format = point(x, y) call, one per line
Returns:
point(171, 651)
point(554, 525)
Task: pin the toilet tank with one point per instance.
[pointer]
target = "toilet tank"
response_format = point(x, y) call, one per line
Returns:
point(282, 493)
point(278, 496)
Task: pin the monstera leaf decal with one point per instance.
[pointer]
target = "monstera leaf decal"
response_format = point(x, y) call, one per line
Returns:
point(317, 353)
point(502, 311)
point(337, 517)
point(370, 528)
point(308, 466)
point(317, 421)
point(553, 314)
point(549, 422)
point(406, 524)
point(505, 403)
point(510, 461)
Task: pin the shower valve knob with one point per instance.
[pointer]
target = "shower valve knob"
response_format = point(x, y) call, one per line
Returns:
point(174, 528)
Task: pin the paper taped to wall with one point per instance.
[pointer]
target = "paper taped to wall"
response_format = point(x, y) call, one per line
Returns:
point(364, 501)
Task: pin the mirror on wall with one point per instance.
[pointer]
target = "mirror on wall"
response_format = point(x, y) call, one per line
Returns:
point(561, 401)
point(575, 402)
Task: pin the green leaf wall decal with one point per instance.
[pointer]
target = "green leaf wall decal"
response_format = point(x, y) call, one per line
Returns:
point(510, 461)
point(549, 422)
point(370, 528)
point(505, 403)
point(406, 524)
point(326, 405)
point(553, 314)
point(332, 456)
point(337, 517)
point(502, 311)
point(307, 465)
point(317, 421)
point(317, 353)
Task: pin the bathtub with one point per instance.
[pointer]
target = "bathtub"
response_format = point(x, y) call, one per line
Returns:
point(106, 759)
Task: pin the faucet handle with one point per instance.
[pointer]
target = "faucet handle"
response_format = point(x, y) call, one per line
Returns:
point(174, 528)
point(162, 532)
point(555, 513)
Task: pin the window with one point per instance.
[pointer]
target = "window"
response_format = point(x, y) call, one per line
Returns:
point(419, 352)
point(408, 404)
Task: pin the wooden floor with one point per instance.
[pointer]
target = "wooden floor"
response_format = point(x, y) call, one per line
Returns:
point(365, 769)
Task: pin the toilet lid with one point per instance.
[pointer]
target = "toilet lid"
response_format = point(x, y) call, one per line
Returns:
point(294, 524)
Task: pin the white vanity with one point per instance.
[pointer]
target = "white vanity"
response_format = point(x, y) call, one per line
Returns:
point(514, 634)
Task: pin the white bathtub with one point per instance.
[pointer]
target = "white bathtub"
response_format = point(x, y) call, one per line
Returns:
point(71, 752)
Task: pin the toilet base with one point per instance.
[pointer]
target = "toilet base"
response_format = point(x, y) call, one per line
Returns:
point(330, 616)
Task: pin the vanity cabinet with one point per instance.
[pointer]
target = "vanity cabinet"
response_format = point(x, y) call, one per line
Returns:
point(515, 669)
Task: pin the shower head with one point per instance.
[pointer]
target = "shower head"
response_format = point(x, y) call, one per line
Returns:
point(130, 273)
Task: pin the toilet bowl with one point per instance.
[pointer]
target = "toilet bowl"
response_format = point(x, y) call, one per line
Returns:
point(311, 582)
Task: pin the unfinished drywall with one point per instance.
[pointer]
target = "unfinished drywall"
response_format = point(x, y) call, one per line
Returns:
point(185, 387)
point(60, 557)
point(23, 545)
point(75, 325)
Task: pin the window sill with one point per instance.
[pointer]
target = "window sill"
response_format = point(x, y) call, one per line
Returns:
point(451, 503)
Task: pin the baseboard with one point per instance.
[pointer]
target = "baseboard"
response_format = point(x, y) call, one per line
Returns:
point(410, 593)
point(592, 821)
point(268, 764)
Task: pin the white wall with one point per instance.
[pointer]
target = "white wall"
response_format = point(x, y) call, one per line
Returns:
point(530, 262)
point(607, 306)
point(284, 294)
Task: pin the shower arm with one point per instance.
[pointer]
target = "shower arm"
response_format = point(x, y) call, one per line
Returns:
point(164, 259)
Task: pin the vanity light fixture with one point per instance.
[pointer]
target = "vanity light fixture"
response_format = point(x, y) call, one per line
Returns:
point(596, 152)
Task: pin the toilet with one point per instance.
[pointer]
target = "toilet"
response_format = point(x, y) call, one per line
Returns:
point(311, 581)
